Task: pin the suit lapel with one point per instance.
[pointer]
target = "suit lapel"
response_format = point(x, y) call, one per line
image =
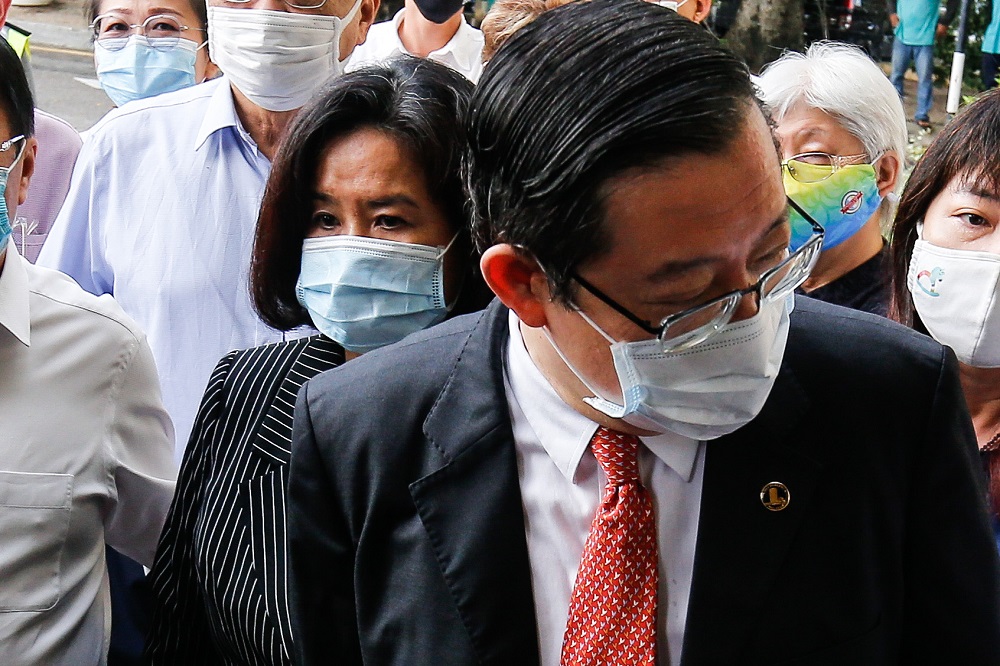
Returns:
point(742, 544)
point(471, 505)
point(273, 439)
point(271, 445)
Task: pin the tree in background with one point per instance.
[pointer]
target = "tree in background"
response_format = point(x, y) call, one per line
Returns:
point(944, 48)
point(763, 29)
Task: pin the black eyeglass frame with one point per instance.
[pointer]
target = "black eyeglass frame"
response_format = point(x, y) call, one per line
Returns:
point(736, 296)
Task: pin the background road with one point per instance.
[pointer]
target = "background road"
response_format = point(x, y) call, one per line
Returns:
point(61, 78)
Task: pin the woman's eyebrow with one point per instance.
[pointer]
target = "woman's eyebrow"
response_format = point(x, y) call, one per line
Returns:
point(979, 191)
point(392, 200)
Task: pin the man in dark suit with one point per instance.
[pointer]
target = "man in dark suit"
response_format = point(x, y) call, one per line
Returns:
point(645, 452)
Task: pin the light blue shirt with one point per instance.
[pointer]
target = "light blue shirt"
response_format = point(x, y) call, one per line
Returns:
point(918, 21)
point(991, 39)
point(161, 213)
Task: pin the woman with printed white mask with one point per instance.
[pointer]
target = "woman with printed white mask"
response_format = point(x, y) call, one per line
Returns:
point(842, 131)
point(144, 48)
point(946, 263)
point(362, 233)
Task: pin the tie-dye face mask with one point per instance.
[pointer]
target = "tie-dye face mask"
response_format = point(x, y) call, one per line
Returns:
point(842, 202)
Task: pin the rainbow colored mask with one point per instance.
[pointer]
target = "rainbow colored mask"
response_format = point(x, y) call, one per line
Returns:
point(842, 203)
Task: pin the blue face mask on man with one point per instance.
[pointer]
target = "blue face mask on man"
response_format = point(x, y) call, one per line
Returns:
point(366, 293)
point(136, 67)
point(18, 144)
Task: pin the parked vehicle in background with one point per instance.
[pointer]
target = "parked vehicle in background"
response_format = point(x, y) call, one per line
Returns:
point(864, 23)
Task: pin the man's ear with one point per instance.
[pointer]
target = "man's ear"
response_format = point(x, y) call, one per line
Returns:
point(887, 173)
point(702, 11)
point(27, 169)
point(368, 12)
point(518, 281)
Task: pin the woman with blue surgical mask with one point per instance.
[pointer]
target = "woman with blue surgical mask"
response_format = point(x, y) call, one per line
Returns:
point(363, 235)
point(842, 132)
point(946, 263)
point(144, 48)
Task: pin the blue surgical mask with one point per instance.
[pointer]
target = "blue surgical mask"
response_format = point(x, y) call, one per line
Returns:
point(367, 293)
point(136, 67)
point(5, 227)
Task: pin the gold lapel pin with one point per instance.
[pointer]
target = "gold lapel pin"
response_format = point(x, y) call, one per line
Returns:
point(775, 496)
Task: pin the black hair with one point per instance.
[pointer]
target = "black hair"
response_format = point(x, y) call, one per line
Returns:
point(15, 94)
point(418, 102)
point(584, 93)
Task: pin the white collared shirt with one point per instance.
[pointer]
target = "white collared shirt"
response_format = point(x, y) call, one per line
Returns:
point(562, 486)
point(161, 214)
point(86, 457)
point(463, 52)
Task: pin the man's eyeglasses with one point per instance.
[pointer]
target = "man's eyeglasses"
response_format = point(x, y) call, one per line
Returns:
point(817, 167)
point(9, 159)
point(111, 31)
point(315, 4)
point(693, 326)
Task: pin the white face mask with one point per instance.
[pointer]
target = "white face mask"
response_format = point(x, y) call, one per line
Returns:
point(277, 59)
point(704, 392)
point(669, 4)
point(955, 293)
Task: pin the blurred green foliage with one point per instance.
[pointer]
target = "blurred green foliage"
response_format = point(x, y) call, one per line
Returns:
point(944, 48)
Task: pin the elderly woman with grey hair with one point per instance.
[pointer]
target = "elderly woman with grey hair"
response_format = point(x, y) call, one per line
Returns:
point(842, 131)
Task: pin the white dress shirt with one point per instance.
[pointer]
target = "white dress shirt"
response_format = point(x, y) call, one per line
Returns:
point(161, 213)
point(86, 457)
point(463, 52)
point(562, 486)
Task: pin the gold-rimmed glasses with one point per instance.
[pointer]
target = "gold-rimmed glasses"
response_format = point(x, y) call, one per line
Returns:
point(817, 167)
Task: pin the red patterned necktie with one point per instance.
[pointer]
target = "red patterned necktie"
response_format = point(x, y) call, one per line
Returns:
point(612, 612)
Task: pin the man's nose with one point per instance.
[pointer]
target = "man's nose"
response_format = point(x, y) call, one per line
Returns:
point(747, 307)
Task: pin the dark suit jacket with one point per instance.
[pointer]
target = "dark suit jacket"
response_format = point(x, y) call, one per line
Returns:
point(219, 576)
point(407, 539)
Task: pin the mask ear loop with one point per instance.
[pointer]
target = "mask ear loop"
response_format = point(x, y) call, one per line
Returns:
point(201, 46)
point(597, 401)
point(458, 293)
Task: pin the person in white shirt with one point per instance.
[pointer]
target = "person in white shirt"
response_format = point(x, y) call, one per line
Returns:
point(163, 203)
point(434, 29)
point(86, 447)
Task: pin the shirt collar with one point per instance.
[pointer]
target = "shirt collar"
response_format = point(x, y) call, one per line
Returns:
point(462, 46)
point(565, 433)
point(220, 114)
point(14, 312)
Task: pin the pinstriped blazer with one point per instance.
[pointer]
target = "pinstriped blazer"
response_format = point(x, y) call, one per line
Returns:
point(219, 576)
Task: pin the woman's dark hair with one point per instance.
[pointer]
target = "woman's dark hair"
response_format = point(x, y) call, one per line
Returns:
point(968, 147)
point(15, 94)
point(92, 8)
point(418, 102)
point(582, 94)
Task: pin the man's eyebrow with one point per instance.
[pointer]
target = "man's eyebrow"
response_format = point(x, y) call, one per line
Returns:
point(679, 267)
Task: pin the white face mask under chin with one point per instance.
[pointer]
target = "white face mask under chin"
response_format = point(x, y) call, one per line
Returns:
point(956, 292)
point(277, 59)
point(704, 392)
